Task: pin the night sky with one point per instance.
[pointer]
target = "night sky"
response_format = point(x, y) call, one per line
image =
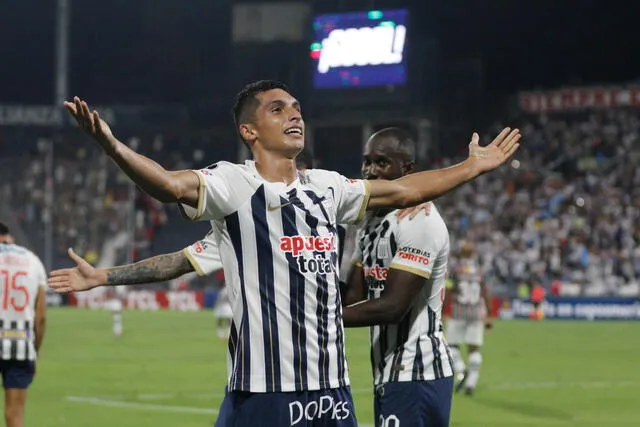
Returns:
point(147, 51)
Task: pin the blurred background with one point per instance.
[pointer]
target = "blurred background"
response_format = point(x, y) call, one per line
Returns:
point(563, 215)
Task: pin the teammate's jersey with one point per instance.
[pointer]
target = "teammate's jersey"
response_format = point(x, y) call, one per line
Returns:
point(21, 277)
point(468, 303)
point(414, 349)
point(278, 246)
point(204, 255)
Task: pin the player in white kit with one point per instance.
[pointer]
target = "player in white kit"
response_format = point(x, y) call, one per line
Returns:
point(276, 230)
point(22, 322)
point(399, 271)
point(469, 318)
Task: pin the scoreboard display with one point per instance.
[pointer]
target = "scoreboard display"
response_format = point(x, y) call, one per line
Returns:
point(359, 49)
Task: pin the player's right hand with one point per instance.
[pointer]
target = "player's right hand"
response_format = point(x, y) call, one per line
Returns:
point(80, 278)
point(91, 122)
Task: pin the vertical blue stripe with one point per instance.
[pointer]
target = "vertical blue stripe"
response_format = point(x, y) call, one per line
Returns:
point(266, 285)
point(241, 376)
point(322, 294)
point(402, 335)
point(336, 260)
point(297, 302)
point(13, 325)
point(418, 364)
point(435, 344)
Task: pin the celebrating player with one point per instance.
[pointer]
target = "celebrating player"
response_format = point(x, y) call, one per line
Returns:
point(275, 224)
point(469, 317)
point(399, 268)
point(22, 322)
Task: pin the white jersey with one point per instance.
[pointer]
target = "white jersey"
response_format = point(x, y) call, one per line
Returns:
point(469, 303)
point(278, 245)
point(204, 256)
point(414, 349)
point(21, 277)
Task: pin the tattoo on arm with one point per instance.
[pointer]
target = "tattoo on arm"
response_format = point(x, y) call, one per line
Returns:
point(156, 269)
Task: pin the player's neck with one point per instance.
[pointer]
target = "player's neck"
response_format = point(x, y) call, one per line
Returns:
point(276, 168)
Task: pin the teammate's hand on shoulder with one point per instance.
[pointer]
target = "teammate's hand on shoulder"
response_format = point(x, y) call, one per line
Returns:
point(496, 153)
point(80, 278)
point(413, 211)
point(91, 122)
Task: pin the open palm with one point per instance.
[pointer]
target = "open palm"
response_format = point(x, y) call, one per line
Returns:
point(497, 152)
point(80, 278)
point(90, 122)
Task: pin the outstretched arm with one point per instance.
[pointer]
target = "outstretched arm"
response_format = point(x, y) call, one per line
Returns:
point(422, 187)
point(84, 276)
point(400, 290)
point(161, 184)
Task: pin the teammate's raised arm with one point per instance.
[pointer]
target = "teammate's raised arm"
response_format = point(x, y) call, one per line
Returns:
point(203, 257)
point(84, 276)
point(153, 179)
point(421, 187)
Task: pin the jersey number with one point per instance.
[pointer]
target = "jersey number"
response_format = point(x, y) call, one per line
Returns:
point(11, 291)
point(469, 292)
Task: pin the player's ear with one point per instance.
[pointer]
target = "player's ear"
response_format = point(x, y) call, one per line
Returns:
point(248, 132)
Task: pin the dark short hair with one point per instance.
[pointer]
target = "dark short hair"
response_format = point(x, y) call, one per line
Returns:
point(405, 144)
point(4, 229)
point(304, 159)
point(246, 101)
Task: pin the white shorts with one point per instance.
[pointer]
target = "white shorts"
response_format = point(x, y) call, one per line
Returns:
point(464, 332)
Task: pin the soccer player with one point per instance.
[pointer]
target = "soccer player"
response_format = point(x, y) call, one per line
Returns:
point(276, 225)
point(470, 315)
point(22, 323)
point(397, 285)
point(115, 306)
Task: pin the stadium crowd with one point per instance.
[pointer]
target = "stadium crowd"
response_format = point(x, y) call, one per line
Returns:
point(566, 211)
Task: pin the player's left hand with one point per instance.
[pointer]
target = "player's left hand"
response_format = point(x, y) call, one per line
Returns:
point(488, 324)
point(413, 211)
point(80, 278)
point(496, 153)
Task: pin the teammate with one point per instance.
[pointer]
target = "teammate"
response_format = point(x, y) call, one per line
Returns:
point(276, 225)
point(115, 306)
point(399, 267)
point(470, 315)
point(22, 323)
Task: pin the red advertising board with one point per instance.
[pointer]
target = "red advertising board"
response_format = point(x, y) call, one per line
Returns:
point(143, 300)
point(573, 99)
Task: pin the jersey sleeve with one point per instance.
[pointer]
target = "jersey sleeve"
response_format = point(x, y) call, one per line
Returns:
point(352, 198)
point(216, 199)
point(204, 255)
point(419, 242)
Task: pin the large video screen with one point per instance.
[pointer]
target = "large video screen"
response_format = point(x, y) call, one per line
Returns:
point(359, 49)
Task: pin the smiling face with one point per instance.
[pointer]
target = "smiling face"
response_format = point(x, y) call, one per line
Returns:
point(277, 124)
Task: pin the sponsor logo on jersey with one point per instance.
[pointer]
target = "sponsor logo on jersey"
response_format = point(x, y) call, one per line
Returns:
point(311, 252)
point(415, 255)
point(377, 272)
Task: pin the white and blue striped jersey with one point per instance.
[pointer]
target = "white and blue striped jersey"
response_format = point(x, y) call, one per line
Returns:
point(278, 245)
point(414, 349)
point(21, 278)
